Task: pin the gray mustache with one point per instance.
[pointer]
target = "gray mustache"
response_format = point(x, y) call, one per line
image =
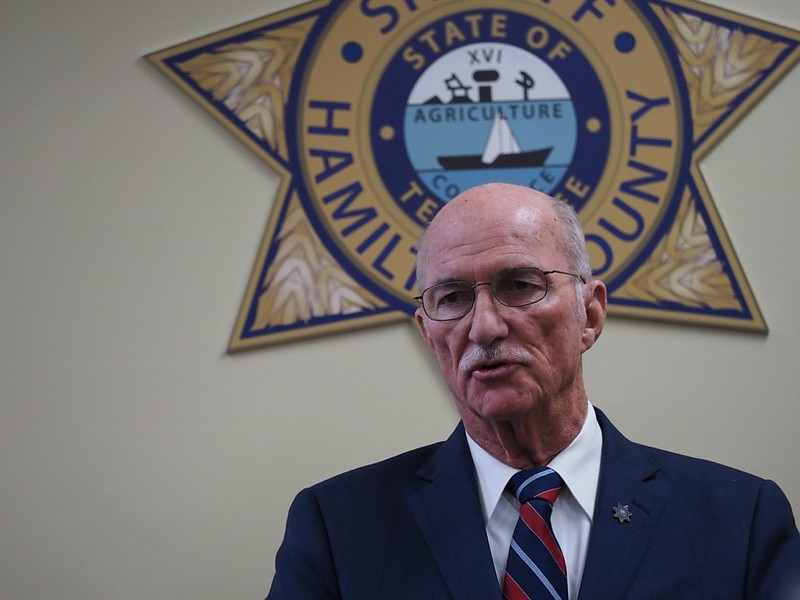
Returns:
point(478, 355)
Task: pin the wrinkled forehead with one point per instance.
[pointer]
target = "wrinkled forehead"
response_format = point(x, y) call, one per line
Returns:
point(485, 236)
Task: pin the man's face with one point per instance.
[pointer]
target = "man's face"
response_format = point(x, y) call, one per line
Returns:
point(500, 362)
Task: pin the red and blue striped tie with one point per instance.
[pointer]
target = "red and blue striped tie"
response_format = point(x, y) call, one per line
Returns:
point(536, 568)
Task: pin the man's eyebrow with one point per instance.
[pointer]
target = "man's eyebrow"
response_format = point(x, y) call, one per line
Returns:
point(512, 267)
point(450, 280)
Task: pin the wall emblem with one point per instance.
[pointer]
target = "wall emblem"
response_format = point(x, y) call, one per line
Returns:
point(377, 113)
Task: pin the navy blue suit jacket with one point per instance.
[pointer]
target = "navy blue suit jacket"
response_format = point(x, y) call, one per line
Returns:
point(411, 527)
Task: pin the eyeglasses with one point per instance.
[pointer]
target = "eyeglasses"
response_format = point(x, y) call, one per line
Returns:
point(515, 287)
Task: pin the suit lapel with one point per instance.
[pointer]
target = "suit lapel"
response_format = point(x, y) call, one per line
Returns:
point(616, 548)
point(448, 512)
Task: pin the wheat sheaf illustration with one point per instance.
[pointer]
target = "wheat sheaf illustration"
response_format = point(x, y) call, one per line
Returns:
point(718, 64)
point(304, 281)
point(684, 268)
point(252, 78)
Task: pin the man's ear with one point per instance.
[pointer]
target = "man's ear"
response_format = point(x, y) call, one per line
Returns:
point(596, 302)
point(419, 317)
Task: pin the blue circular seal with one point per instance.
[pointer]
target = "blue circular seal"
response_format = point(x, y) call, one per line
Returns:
point(508, 105)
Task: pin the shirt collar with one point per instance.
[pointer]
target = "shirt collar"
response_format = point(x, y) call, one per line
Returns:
point(578, 465)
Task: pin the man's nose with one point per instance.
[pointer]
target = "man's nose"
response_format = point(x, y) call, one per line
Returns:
point(487, 323)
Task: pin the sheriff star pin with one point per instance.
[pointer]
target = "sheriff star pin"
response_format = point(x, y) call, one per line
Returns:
point(622, 512)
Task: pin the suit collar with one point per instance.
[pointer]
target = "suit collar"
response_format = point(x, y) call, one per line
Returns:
point(616, 548)
point(448, 512)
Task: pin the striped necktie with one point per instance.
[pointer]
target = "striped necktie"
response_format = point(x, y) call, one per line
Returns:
point(536, 568)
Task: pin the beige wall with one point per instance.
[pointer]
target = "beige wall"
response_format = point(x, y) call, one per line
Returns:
point(137, 459)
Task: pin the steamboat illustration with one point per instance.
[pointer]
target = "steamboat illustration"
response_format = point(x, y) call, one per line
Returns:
point(502, 149)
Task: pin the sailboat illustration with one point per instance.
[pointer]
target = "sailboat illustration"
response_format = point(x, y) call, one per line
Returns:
point(501, 150)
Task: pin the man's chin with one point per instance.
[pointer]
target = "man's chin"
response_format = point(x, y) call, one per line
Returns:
point(500, 405)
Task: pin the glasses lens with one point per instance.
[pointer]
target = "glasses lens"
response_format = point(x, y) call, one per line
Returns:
point(449, 300)
point(519, 287)
point(454, 299)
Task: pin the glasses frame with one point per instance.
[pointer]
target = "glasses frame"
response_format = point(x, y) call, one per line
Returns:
point(491, 290)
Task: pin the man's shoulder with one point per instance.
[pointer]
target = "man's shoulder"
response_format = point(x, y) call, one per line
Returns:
point(395, 471)
point(693, 474)
point(682, 466)
point(692, 480)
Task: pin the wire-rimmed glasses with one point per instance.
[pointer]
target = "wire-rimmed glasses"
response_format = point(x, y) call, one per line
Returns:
point(452, 300)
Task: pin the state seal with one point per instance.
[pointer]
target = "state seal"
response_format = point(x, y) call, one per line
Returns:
point(568, 99)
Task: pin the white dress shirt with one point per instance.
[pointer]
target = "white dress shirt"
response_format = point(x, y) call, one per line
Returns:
point(579, 466)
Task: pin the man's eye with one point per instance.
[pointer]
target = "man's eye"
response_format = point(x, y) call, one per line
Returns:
point(520, 285)
point(453, 297)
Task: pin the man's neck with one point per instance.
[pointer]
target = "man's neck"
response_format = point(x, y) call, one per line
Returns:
point(532, 440)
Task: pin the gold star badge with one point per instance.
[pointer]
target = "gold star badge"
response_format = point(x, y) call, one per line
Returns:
point(376, 116)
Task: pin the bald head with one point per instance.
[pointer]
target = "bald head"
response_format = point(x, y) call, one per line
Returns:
point(510, 207)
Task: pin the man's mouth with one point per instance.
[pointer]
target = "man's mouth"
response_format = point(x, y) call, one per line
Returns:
point(489, 367)
point(491, 371)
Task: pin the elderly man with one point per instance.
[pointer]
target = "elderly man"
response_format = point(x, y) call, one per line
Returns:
point(508, 308)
